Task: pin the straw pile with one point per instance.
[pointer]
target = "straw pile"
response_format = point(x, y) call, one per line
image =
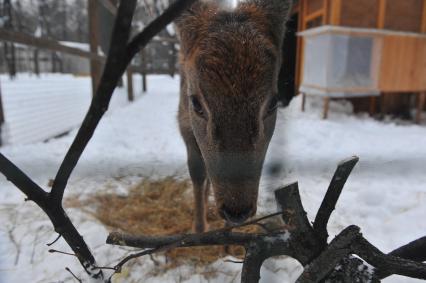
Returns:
point(159, 207)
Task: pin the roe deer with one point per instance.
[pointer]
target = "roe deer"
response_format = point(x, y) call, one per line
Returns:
point(230, 60)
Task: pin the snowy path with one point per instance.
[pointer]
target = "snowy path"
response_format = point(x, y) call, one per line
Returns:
point(385, 196)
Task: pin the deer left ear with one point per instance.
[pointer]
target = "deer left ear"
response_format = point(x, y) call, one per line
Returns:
point(191, 25)
point(276, 13)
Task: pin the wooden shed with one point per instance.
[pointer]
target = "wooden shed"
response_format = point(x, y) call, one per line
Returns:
point(384, 40)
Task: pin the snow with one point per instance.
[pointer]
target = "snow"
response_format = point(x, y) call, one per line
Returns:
point(385, 195)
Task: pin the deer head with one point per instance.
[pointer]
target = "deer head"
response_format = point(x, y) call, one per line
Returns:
point(230, 60)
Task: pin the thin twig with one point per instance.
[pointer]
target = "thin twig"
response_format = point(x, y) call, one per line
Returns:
point(54, 241)
point(73, 275)
point(60, 252)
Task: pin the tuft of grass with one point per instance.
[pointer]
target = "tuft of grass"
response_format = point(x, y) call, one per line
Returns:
point(159, 207)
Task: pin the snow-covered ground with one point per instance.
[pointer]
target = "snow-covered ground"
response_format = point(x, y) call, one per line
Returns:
point(385, 195)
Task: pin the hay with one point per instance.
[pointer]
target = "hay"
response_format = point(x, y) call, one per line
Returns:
point(159, 207)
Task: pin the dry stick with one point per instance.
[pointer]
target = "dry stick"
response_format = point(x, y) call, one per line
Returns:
point(305, 242)
point(388, 264)
point(415, 250)
point(334, 190)
point(331, 256)
point(57, 215)
point(302, 244)
point(119, 57)
point(223, 234)
point(178, 241)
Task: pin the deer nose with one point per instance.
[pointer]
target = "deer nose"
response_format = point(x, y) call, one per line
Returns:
point(236, 216)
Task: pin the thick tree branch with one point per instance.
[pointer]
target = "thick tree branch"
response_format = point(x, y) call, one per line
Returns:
point(60, 220)
point(334, 190)
point(114, 69)
point(120, 55)
point(298, 239)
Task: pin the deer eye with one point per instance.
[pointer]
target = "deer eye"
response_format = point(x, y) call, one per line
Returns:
point(272, 106)
point(196, 105)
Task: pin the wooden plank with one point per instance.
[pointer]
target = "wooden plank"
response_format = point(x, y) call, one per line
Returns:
point(326, 16)
point(336, 9)
point(314, 15)
point(404, 15)
point(382, 14)
point(409, 55)
point(45, 43)
point(95, 65)
point(313, 6)
point(424, 17)
point(109, 6)
point(359, 13)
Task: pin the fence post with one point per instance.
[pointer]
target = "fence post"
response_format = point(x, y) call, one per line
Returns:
point(95, 65)
point(129, 75)
point(143, 66)
point(1, 118)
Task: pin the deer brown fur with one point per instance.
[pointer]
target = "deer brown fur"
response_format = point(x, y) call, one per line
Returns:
point(230, 61)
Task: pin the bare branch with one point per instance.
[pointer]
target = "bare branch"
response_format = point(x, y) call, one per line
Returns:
point(190, 240)
point(120, 55)
point(331, 256)
point(114, 69)
point(388, 264)
point(415, 250)
point(294, 215)
point(54, 241)
point(334, 190)
point(142, 39)
point(61, 222)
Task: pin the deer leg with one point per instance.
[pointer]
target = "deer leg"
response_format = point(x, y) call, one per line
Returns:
point(200, 183)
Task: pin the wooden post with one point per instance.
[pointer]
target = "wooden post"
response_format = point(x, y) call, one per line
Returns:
point(335, 13)
point(326, 107)
point(373, 102)
point(143, 65)
point(144, 85)
point(303, 101)
point(36, 62)
point(1, 118)
point(95, 66)
point(421, 100)
point(130, 94)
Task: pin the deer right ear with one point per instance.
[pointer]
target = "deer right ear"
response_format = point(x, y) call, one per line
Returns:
point(192, 24)
point(276, 13)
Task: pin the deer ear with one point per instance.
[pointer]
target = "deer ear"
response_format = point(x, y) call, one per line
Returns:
point(192, 24)
point(276, 13)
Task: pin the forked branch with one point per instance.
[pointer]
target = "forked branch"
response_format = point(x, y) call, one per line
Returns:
point(298, 239)
point(121, 52)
